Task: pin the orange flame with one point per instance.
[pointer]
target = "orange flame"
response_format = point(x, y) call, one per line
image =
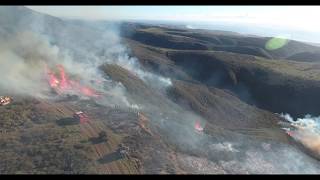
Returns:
point(63, 84)
point(198, 126)
point(64, 78)
point(53, 80)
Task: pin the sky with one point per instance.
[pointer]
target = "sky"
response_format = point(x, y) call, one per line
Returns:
point(297, 18)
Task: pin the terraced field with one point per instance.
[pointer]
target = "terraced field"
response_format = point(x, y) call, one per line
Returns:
point(101, 157)
point(113, 163)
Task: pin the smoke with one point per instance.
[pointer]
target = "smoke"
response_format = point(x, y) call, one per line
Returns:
point(119, 55)
point(38, 41)
point(22, 59)
point(305, 130)
point(244, 155)
point(279, 159)
point(81, 50)
point(233, 152)
point(224, 146)
point(252, 156)
point(190, 27)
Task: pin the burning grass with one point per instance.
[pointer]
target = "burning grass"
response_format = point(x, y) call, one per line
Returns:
point(63, 84)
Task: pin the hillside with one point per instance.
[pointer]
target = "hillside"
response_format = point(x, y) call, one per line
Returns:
point(276, 85)
point(186, 39)
point(157, 99)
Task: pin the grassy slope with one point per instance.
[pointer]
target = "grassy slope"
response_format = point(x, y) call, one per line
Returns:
point(279, 86)
point(211, 40)
point(276, 85)
point(33, 142)
point(218, 107)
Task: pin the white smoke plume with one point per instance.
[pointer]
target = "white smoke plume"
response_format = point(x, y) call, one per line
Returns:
point(244, 157)
point(225, 146)
point(38, 41)
point(119, 55)
point(305, 130)
point(22, 60)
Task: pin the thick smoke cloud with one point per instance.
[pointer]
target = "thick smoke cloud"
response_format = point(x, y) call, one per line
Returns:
point(22, 61)
point(81, 50)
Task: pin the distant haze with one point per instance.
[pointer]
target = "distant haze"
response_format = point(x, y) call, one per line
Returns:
point(296, 22)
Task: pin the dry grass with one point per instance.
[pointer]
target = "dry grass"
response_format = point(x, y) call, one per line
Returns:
point(32, 142)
